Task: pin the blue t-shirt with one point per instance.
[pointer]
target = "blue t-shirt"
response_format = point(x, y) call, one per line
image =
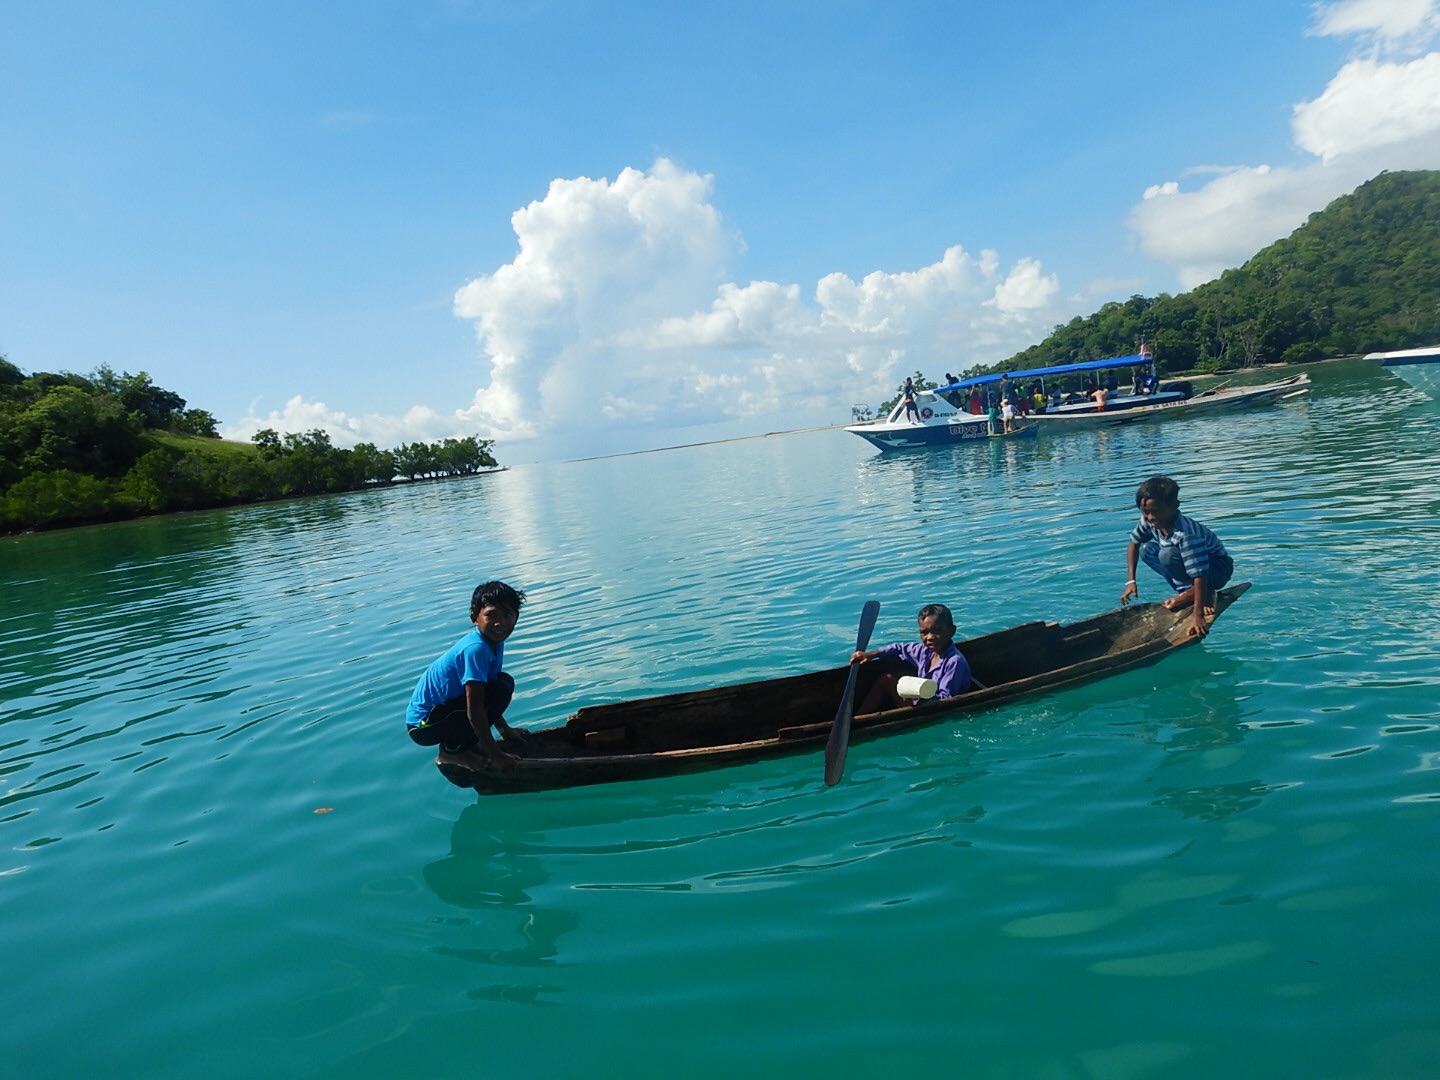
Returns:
point(951, 672)
point(471, 659)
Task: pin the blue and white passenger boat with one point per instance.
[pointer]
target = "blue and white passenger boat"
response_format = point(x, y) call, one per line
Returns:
point(1419, 367)
point(942, 422)
point(1106, 400)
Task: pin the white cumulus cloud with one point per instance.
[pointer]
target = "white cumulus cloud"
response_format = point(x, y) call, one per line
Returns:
point(417, 424)
point(617, 309)
point(1371, 105)
point(1379, 112)
point(1384, 24)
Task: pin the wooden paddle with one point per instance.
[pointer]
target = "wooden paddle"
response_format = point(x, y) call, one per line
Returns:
point(840, 730)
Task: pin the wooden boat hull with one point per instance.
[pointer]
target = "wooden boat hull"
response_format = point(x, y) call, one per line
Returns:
point(729, 725)
point(1022, 430)
point(1208, 401)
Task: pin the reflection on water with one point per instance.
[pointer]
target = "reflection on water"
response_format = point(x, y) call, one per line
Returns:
point(486, 873)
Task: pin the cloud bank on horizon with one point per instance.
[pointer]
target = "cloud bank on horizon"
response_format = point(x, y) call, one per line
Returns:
point(1381, 112)
point(617, 311)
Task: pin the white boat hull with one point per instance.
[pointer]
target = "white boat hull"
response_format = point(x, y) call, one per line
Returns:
point(1418, 367)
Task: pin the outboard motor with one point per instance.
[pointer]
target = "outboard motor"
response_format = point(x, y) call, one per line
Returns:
point(1182, 385)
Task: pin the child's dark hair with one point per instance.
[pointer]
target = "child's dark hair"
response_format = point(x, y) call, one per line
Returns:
point(495, 593)
point(937, 611)
point(1159, 489)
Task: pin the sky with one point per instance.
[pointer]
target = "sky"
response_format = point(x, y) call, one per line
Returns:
point(589, 227)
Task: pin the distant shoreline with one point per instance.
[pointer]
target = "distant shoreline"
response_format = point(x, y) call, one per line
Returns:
point(711, 442)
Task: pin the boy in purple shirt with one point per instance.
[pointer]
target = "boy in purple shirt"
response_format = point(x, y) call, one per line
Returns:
point(934, 656)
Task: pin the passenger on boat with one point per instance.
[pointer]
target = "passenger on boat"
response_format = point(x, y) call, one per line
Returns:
point(977, 407)
point(1101, 396)
point(1190, 557)
point(934, 656)
point(1007, 413)
point(907, 394)
point(464, 693)
point(954, 395)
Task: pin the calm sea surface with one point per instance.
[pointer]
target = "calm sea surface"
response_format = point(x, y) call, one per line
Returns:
point(222, 857)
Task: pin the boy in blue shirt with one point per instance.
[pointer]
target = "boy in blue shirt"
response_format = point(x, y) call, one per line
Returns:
point(1178, 548)
point(464, 693)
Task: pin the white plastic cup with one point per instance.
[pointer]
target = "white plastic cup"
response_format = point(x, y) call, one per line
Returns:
point(910, 686)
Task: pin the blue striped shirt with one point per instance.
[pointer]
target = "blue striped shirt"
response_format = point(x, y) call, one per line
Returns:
point(1197, 545)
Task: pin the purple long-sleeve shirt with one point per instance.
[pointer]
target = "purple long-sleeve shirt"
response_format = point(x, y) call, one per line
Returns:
point(951, 671)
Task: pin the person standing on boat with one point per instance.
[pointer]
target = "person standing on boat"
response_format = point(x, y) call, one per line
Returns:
point(934, 656)
point(464, 693)
point(907, 395)
point(953, 397)
point(1184, 552)
point(1007, 413)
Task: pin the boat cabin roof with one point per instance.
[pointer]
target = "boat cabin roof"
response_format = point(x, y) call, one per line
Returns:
point(1057, 369)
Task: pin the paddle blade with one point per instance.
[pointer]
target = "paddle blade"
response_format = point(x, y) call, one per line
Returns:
point(839, 740)
point(868, 614)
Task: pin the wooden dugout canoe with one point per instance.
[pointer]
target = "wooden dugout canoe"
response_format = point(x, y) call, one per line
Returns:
point(728, 725)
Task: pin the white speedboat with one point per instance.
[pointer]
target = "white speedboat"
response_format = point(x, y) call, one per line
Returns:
point(1419, 367)
point(940, 423)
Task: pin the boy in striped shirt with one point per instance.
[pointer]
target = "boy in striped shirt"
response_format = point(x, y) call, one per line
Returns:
point(1185, 553)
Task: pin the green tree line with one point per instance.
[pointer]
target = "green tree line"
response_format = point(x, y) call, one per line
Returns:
point(104, 447)
point(1361, 275)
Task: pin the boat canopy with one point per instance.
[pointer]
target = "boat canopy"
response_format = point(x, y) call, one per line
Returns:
point(1058, 369)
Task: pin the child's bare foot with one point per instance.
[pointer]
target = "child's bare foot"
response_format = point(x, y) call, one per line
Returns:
point(1180, 600)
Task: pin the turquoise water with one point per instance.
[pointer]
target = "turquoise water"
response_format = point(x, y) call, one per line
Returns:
point(223, 858)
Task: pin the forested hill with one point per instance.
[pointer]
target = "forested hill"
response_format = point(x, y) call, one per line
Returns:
point(102, 447)
point(1361, 275)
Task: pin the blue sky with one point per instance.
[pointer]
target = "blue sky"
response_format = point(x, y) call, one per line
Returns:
point(585, 227)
